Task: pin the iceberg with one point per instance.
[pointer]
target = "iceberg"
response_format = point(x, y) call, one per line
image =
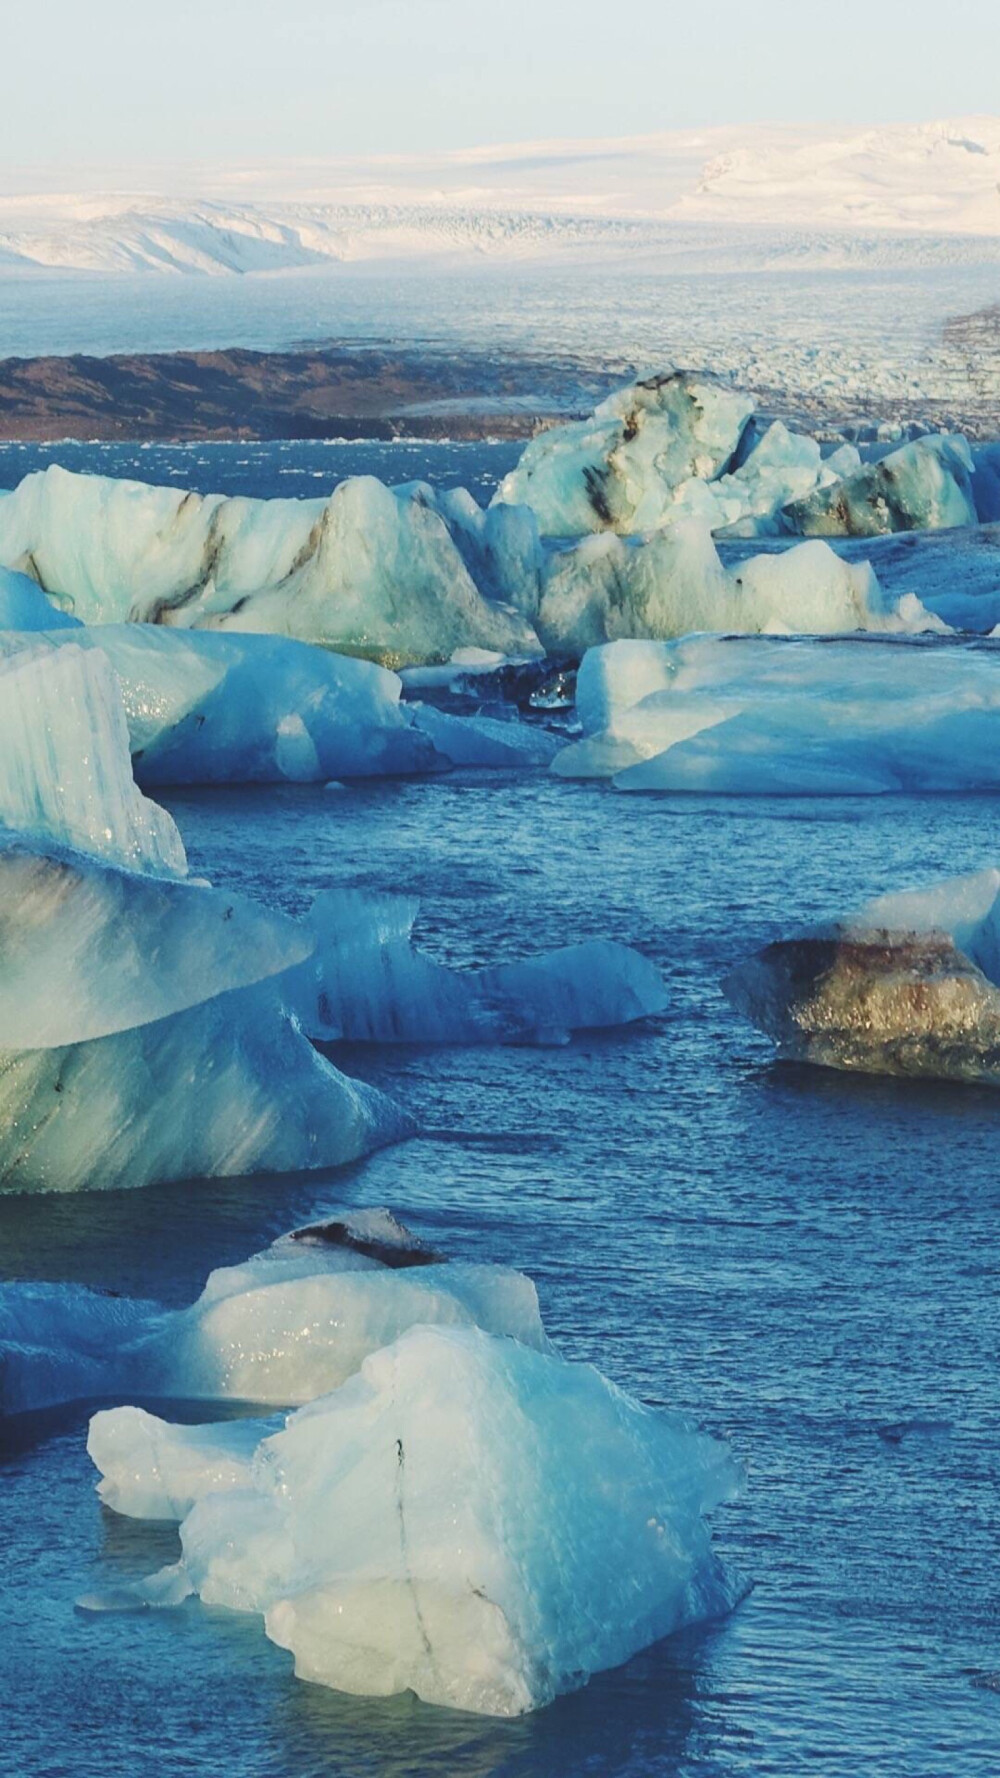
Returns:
point(370, 571)
point(211, 709)
point(366, 982)
point(673, 583)
point(766, 716)
point(466, 1517)
point(65, 769)
point(279, 1329)
point(925, 485)
point(617, 470)
point(909, 985)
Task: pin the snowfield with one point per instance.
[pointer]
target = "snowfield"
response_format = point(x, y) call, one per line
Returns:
point(936, 179)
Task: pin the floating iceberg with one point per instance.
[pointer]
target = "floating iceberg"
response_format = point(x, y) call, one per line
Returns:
point(479, 1522)
point(281, 1328)
point(909, 985)
point(769, 716)
point(207, 709)
point(673, 583)
point(617, 471)
point(366, 982)
point(926, 485)
point(370, 571)
point(65, 770)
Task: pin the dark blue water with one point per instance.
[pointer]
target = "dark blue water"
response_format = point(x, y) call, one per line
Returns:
point(805, 1262)
point(292, 468)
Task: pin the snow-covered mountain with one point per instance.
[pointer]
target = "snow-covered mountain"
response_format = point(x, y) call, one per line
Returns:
point(536, 200)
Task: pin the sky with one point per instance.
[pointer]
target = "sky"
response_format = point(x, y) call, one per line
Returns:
point(137, 82)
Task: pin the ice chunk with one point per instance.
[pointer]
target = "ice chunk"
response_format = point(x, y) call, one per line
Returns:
point(763, 716)
point(910, 985)
point(297, 1320)
point(370, 571)
point(23, 605)
point(65, 770)
point(152, 1470)
point(281, 1327)
point(925, 485)
point(673, 583)
point(222, 709)
point(617, 470)
point(224, 1088)
point(367, 983)
point(88, 949)
point(483, 740)
point(484, 1524)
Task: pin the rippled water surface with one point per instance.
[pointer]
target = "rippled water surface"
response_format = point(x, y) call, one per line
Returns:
point(805, 1262)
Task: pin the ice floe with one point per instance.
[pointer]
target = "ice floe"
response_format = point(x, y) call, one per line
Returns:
point(768, 716)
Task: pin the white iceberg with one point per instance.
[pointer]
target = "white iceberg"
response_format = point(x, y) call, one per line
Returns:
point(65, 769)
point(770, 716)
point(617, 471)
point(280, 1328)
point(909, 985)
point(370, 571)
point(207, 709)
point(673, 583)
point(468, 1518)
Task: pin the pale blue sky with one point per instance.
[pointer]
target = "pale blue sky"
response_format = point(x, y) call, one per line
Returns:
point(137, 81)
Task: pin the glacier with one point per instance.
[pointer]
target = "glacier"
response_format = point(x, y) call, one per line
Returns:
point(769, 716)
point(908, 985)
point(466, 1517)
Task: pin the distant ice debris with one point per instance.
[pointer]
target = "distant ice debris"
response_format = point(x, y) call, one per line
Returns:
point(457, 1511)
point(762, 716)
point(908, 985)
